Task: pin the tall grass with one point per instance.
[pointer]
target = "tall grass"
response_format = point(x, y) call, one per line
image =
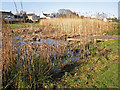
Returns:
point(80, 26)
point(30, 65)
point(21, 68)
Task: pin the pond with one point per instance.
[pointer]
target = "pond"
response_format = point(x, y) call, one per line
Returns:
point(68, 55)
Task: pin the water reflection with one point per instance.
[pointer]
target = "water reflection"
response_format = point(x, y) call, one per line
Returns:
point(58, 58)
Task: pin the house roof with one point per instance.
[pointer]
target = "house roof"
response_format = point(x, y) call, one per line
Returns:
point(4, 12)
point(31, 14)
point(47, 15)
point(42, 15)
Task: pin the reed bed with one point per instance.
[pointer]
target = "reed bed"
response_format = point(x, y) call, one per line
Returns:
point(80, 26)
point(21, 68)
point(31, 65)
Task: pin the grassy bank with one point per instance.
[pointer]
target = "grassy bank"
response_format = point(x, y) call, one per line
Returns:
point(99, 71)
point(23, 25)
point(115, 31)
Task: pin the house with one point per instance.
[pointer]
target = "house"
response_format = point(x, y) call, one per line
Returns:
point(42, 16)
point(9, 17)
point(14, 19)
point(5, 14)
point(45, 16)
point(33, 17)
point(21, 16)
point(107, 20)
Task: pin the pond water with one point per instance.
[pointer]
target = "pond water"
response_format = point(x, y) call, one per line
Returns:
point(69, 55)
point(49, 41)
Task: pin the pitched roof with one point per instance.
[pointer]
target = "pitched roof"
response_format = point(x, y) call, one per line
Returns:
point(31, 14)
point(4, 12)
point(42, 15)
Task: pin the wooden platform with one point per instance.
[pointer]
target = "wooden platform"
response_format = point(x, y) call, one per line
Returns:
point(95, 38)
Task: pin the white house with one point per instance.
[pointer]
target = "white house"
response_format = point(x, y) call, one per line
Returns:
point(45, 16)
point(105, 20)
point(42, 16)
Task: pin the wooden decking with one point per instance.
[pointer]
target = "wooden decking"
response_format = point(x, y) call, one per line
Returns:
point(101, 37)
point(95, 38)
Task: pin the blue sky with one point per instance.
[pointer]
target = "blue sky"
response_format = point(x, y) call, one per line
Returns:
point(62, 0)
point(111, 8)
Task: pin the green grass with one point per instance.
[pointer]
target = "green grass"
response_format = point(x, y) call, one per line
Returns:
point(23, 25)
point(98, 72)
point(26, 25)
point(115, 32)
point(109, 76)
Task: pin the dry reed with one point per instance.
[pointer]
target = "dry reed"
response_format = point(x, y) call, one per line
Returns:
point(28, 65)
point(80, 26)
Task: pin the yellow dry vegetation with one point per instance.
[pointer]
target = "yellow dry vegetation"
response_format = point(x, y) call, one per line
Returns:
point(80, 26)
